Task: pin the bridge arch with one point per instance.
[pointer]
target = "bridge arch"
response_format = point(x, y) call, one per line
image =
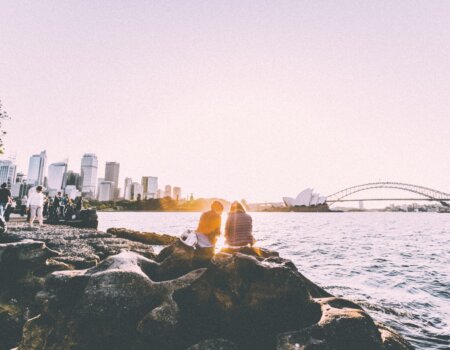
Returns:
point(429, 193)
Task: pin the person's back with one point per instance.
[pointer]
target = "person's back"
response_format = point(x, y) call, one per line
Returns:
point(209, 225)
point(5, 195)
point(238, 228)
point(5, 198)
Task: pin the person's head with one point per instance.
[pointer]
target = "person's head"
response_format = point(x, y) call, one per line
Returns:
point(237, 207)
point(217, 207)
point(39, 189)
point(59, 193)
point(3, 185)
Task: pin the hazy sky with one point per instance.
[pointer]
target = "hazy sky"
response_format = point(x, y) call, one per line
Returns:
point(236, 99)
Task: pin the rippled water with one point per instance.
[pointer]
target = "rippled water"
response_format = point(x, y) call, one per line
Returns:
point(395, 265)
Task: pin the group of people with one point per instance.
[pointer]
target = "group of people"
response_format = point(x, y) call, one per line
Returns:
point(238, 227)
point(37, 205)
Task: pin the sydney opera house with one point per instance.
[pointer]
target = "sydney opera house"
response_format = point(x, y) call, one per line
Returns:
point(307, 198)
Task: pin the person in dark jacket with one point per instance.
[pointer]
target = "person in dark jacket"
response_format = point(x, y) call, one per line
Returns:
point(5, 198)
point(238, 229)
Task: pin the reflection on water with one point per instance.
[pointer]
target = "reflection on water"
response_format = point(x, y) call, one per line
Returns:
point(396, 265)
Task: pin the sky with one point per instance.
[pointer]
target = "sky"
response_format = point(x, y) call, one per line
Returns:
point(232, 99)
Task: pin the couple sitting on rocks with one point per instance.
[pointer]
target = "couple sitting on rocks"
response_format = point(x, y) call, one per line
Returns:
point(238, 228)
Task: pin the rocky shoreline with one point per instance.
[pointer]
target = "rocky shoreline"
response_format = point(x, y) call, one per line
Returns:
point(68, 288)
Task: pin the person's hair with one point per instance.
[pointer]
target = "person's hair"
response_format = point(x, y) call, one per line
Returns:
point(3, 185)
point(237, 207)
point(59, 192)
point(216, 205)
point(39, 188)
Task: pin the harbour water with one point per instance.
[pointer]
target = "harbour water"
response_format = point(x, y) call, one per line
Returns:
point(395, 265)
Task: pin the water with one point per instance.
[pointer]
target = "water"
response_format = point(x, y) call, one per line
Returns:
point(395, 265)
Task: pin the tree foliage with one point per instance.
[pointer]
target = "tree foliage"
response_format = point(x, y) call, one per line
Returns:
point(3, 116)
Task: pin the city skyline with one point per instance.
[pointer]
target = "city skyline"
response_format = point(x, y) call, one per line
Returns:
point(57, 176)
point(235, 100)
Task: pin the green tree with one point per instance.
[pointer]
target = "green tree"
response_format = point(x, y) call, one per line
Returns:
point(3, 116)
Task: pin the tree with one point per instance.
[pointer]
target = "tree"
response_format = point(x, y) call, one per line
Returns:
point(3, 116)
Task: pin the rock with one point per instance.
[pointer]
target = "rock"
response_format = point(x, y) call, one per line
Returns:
point(143, 237)
point(27, 251)
point(114, 305)
point(343, 326)
point(392, 340)
point(11, 323)
point(214, 344)
point(78, 248)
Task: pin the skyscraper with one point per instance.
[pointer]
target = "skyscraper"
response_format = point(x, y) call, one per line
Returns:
point(127, 188)
point(73, 179)
point(7, 173)
point(57, 176)
point(36, 169)
point(150, 186)
point(89, 166)
point(168, 191)
point(112, 174)
point(137, 191)
point(105, 191)
point(176, 193)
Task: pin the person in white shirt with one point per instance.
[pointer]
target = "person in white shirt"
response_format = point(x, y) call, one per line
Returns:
point(36, 204)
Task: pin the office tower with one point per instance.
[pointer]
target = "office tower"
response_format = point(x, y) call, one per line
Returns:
point(20, 177)
point(168, 191)
point(176, 193)
point(105, 191)
point(57, 176)
point(112, 174)
point(7, 173)
point(137, 191)
point(89, 166)
point(150, 186)
point(127, 188)
point(159, 193)
point(73, 179)
point(36, 169)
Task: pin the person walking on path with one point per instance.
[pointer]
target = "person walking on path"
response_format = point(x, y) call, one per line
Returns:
point(5, 198)
point(36, 203)
point(238, 228)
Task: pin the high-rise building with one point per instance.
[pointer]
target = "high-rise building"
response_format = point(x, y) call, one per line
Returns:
point(127, 188)
point(159, 193)
point(176, 194)
point(105, 191)
point(7, 173)
point(137, 191)
point(36, 169)
point(168, 191)
point(20, 177)
point(73, 179)
point(89, 166)
point(112, 174)
point(57, 176)
point(150, 186)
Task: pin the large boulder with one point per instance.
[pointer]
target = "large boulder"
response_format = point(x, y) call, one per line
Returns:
point(114, 305)
point(143, 237)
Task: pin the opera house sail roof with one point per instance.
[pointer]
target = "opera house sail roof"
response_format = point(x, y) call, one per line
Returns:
point(305, 198)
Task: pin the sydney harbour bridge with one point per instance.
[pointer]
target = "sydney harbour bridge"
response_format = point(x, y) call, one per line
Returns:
point(427, 194)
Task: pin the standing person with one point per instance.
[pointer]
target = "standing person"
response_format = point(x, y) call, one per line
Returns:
point(209, 226)
point(56, 206)
point(23, 205)
point(5, 198)
point(36, 204)
point(238, 228)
